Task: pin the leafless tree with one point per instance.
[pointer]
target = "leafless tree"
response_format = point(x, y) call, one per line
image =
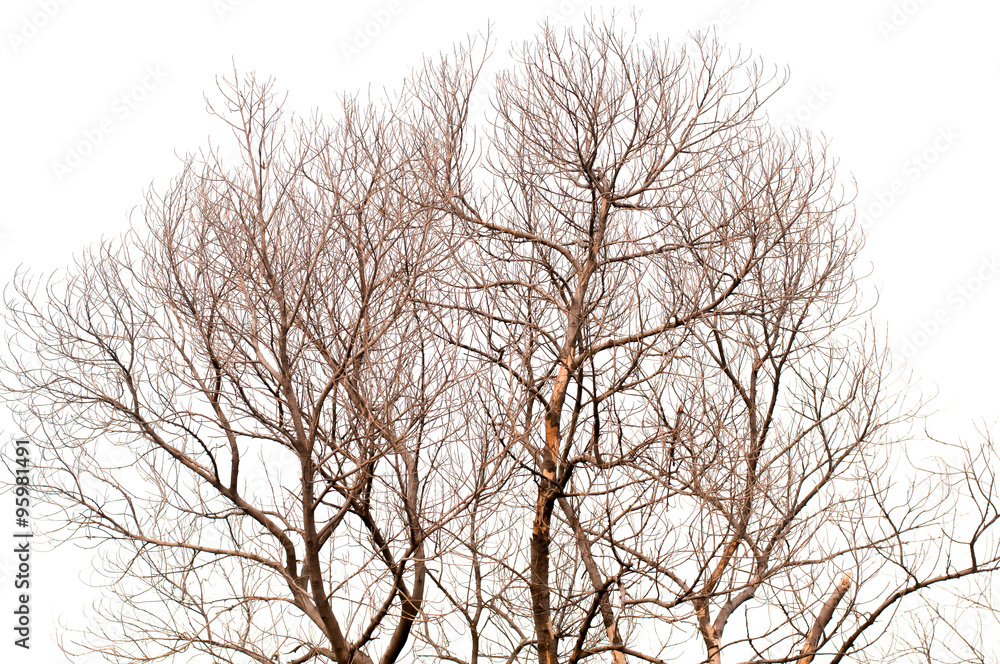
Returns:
point(286, 413)
point(585, 379)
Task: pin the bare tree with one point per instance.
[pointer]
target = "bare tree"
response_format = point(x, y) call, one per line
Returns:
point(265, 326)
point(585, 379)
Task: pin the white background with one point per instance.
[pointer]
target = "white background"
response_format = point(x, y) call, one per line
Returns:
point(905, 92)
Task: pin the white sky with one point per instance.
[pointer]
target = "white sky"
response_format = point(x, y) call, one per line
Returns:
point(905, 91)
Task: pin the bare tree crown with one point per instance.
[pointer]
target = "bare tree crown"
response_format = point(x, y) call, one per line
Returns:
point(585, 380)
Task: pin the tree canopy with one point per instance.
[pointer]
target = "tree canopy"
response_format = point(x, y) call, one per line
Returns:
point(579, 376)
